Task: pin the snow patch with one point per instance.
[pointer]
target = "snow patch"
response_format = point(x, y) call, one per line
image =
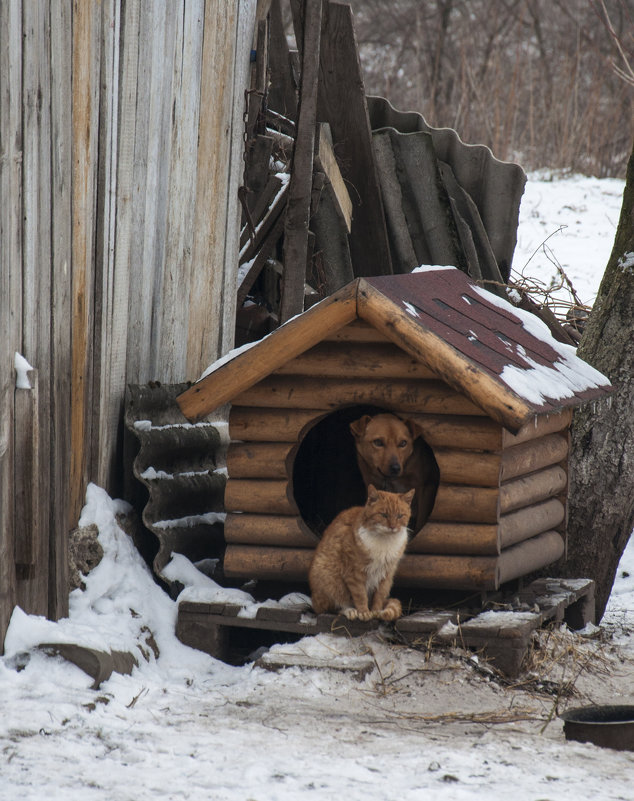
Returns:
point(22, 368)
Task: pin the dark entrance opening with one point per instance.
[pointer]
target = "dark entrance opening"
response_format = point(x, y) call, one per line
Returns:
point(325, 475)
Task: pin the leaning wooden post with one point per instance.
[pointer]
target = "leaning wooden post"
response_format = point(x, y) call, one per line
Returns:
point(300, 187)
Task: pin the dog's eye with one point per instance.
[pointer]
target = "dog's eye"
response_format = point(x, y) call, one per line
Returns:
point(378, 443)
point(402, 443)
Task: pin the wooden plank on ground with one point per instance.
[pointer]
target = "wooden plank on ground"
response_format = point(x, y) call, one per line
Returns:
point(299, 197)
point(342, 104)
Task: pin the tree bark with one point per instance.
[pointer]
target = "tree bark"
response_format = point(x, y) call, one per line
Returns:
point(602, 455)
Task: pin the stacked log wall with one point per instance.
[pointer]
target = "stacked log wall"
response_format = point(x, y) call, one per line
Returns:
point(500, 505)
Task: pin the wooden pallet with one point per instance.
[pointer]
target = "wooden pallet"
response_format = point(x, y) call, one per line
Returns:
point(502, 633)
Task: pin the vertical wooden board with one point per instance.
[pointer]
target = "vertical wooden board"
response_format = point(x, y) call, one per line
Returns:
point(27, 472)
point(142, 266)
point(110, 310)
point(181, 191)
point(10, 283)
point(61, 169)
point(213, 155)
point(158, 26)
point(342, 103)
point(32, 589)
point(85, 94)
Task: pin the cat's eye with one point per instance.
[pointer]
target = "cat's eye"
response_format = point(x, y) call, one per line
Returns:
point(378, 443)
point(385, 515)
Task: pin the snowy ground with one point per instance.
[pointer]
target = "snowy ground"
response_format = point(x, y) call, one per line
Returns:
point(423, 724)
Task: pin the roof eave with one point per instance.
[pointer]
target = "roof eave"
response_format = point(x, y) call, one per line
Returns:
point(285, 343)
point(451, 366)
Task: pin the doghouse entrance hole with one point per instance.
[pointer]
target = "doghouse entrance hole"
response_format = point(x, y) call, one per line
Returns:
point(325, 475)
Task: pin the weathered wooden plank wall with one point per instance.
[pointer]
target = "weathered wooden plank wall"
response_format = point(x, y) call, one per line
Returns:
point(121, 137)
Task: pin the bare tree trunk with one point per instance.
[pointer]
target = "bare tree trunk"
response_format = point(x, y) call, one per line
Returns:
point(602, 457)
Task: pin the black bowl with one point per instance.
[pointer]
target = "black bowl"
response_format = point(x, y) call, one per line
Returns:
point(606, 726)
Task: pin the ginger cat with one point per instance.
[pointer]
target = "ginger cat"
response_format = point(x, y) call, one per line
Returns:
point(354, 564)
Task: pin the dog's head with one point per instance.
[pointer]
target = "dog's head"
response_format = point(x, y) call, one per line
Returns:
point(384, 442)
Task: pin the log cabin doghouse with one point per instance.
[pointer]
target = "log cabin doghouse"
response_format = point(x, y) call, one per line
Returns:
point(489, 388)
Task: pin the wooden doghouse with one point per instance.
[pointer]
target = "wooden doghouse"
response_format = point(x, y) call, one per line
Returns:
point(489, 387)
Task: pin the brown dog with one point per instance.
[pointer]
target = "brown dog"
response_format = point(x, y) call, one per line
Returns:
point(393, 457)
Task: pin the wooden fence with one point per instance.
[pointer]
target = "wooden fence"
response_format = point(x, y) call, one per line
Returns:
point(121, 139)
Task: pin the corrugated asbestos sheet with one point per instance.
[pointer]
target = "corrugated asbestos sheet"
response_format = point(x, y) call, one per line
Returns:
point(445, 202)
point(180, 465)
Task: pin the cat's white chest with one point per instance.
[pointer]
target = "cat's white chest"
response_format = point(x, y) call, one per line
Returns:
point(384, 551)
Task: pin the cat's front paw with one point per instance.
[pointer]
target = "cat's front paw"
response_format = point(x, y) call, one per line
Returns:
point(392, 610)
point(358, 614)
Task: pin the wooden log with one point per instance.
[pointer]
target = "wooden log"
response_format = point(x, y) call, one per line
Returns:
point(457, 538)
point(528, 490)
point(447, 363)
point(415, 570)
point(267, 564)
point(286, 342)
point(472, 433)
point(274, 530)
point(265, 425)
point(356, 361)
point(258, 460)
point(465, 504)
point(464, 467)
point(526, 523)
point(400, 396)
point(448, 572)
point(356, 331)
point(538, 427)
point(530, 555)
point(261, 496)
point(533, 455)
point(460, 432)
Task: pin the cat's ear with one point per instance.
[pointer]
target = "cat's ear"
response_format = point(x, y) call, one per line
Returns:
point(408, 496)
point(359, 426)
point(373, 494)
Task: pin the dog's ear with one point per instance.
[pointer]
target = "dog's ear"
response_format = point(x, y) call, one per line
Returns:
point(359, 426)
point(414, 428)
point(373, 494)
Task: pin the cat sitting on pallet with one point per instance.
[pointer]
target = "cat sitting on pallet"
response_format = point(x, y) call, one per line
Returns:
point(354, 564)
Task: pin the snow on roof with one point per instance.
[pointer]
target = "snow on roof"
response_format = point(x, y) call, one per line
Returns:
point(511, 345)
point(504, 359)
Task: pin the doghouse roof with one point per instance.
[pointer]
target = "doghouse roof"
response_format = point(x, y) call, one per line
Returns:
point(503, 359)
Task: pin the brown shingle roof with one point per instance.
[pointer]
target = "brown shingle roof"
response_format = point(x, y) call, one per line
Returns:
point(503, 359)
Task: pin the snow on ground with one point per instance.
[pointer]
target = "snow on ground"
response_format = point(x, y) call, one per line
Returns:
point(423, 724)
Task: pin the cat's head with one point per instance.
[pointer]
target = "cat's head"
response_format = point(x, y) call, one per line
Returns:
point(387, 512)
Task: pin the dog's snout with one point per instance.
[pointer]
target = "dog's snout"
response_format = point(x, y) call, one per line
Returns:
point(394, 467)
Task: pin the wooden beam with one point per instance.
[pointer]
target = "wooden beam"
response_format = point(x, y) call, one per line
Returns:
point(325, 161)
point(298, 210)
point(342, 103)
point(532, 488)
